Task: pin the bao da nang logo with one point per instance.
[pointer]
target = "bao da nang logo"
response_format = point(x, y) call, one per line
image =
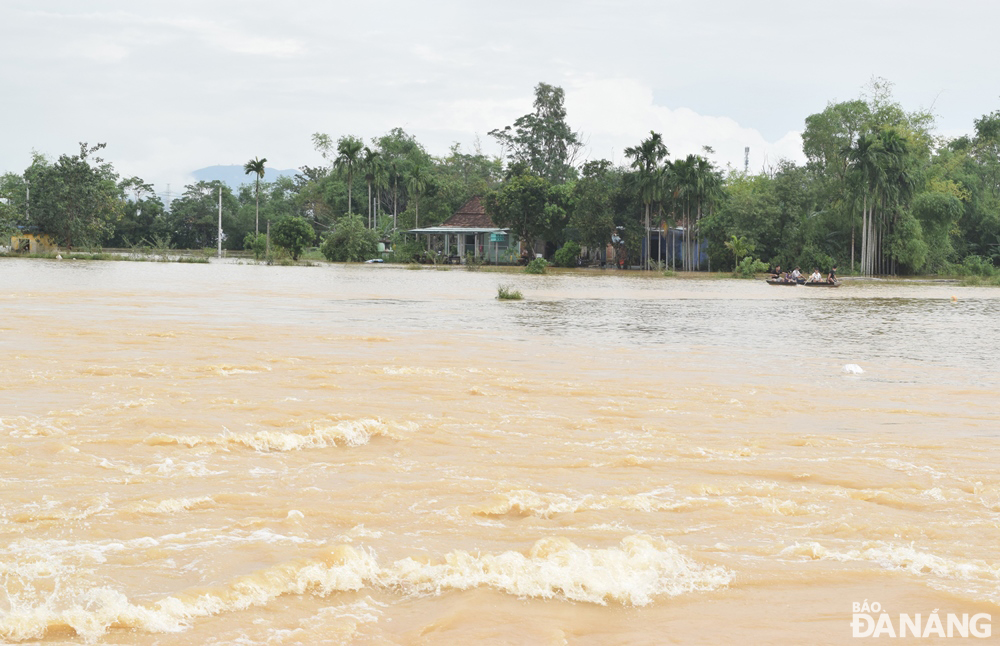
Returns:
point(871, 620)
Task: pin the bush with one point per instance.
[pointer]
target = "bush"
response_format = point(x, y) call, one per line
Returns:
point(568, 255)
point(350, 241)
point(473, 262)
point(257, 243)
point(749, 267)
point(976, 266)
point(293, 234)
point(508, 293)
point(536, 266)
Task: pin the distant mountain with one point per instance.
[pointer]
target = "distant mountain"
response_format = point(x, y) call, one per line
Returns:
point(234, 176)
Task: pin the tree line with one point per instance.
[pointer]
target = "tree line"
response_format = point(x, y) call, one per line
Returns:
point(879, 193)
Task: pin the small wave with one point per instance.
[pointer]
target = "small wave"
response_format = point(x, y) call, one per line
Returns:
point(349, 433)
point(853, 369)
point(634, 573)
point(898, 557)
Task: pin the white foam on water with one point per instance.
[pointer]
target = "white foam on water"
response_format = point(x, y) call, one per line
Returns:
point(52, 585)
point(524, 502)
point(320, 435)
point(91, 612)
point(853, 369)
point(172, 505)
point(900, 557)
point(634, 573)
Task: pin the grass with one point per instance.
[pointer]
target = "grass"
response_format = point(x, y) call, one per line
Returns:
point(507, 292)
point(980, 281)
point(101, 255)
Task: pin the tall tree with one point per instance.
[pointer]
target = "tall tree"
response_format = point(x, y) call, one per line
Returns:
point(348, 156)
point(256, 166)
point(416, 184)
point(521, 204)
point(77, 200)
point(647, 161)
point(542, 139)
point(370, 162)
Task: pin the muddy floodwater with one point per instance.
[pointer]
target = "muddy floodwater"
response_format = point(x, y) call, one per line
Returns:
point(241, 454)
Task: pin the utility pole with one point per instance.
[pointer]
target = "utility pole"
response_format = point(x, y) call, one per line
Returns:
point(746, 159)
point(27, 199)
point(220, 221)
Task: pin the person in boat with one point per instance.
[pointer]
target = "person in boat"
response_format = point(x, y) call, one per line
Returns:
point(777, 272)
point(832, 277)
point(815, 277)
point(796, 275)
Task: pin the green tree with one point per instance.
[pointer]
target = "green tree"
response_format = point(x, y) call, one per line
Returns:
point(144, 216)
point(350, 241)
point(416, 184)
point(542, 139)
point(519, 204)
point(293, 234)
point(647, 161)
point(594, 215)
point(348, 157)
point(739, 246)
point(77, 200)
point(194, 217)
point(256, 166)
point(370, 162)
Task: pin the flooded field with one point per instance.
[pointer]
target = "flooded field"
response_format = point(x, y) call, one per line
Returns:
point(240, 454)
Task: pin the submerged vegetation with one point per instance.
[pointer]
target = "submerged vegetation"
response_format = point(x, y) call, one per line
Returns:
point(508, 293)
point(879, 194)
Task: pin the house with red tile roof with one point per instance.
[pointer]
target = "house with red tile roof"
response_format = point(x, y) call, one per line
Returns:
point(469, 231)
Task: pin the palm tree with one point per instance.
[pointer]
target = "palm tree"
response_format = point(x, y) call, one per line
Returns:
point(393, 169)
point(877, 162)
point(739, 246)
point(416, 183)
point(348, 156)
point(646, 160)
point(256, 166)
point(370, 161)
point(380, 179)
point(707, 189)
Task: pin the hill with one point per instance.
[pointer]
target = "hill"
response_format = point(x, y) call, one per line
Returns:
point(234, 176)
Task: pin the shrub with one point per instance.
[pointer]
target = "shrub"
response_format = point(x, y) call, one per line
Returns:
point(976, 266)
point(749, 267)
point(568, 255)
point(508, 293)
point(257, 243)
point(350, 241)
point(536, 266)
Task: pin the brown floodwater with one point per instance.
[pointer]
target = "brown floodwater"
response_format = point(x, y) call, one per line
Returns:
point(242, 454)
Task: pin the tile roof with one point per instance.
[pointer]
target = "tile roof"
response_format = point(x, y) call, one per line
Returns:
point(472, 214)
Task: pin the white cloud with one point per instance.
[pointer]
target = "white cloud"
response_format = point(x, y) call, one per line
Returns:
point(613, 114)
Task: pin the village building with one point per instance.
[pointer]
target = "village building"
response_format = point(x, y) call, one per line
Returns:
point(469, 232)
point(32, 243)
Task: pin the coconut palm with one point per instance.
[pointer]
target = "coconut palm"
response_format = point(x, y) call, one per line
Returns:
point(416, 184)
point(380, 179)
point(370, 161)
point(348, 156)
point(256, 166)
point(646, 160)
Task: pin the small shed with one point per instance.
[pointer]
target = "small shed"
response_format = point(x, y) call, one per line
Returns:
point(32, 243)
point(469, 231)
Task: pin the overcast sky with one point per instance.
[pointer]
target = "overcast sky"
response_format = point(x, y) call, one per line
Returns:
point(176, 86)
